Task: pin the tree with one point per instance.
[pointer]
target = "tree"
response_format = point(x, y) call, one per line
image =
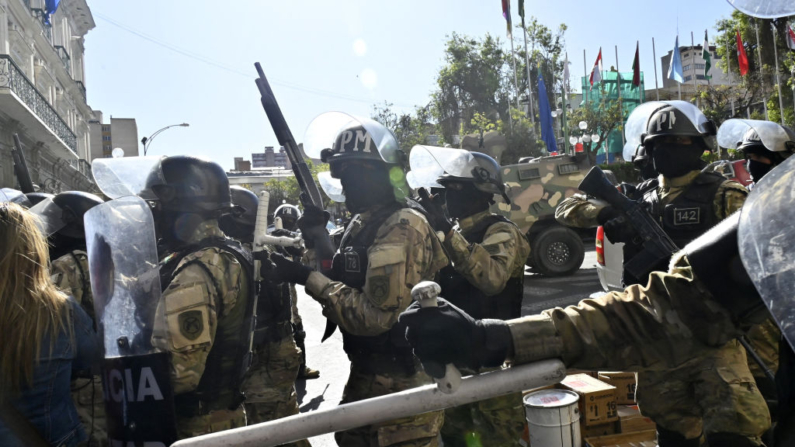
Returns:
point(287, 191)
point(547, 50)
point(602, 119)
point(409, 129)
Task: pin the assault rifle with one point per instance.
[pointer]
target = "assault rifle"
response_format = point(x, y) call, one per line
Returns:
point(657, 246)
point(21, 167)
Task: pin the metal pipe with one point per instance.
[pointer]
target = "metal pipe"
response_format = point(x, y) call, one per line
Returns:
point(778, 81)
point(385, 408)
point(761, 70)
point(529, 83)
point(585, 74)
point(654, 58)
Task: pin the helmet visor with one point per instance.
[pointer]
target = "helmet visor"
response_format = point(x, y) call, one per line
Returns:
point(323, 131)
point(51, 217)
point(773, 135)
point(428, 163)
point(14, 196)
point(127, 176)
point(331, 186)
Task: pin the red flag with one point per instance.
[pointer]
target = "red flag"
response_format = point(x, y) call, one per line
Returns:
point(506, 12)
point(742, 58)
point(636, 66)
point(791, 35)
point(596, 71)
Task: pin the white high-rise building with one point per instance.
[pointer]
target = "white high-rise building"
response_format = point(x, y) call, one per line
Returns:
point(43, 93)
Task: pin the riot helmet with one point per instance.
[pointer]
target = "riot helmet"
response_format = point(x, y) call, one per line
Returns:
point(15, 196)
point(36, 197)
point(764, 144)
point(187, 184)
point(643, 163)
point(75, 204)
point(289, 215)
point(367, 167)
point(673, 120)
point(240, 225)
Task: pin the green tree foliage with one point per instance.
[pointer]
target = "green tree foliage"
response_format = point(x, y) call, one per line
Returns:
point(287, 190)
point(547, 49)
point(602, 119)
point(409, 129)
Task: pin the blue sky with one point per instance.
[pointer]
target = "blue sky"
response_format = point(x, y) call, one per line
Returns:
point(194, 62)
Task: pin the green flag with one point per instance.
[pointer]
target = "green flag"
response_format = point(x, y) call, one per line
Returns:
point(521, 11)
point(707, 56)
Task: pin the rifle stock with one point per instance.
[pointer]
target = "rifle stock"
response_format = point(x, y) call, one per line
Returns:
point(21, 167)
point(657, 246)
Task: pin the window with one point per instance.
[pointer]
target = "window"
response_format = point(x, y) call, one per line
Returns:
point(700, 77)
point(700, 66)
point(105, 128)
point(105, 137)
point(686, 68)
point(106, 147)
point(688, 78)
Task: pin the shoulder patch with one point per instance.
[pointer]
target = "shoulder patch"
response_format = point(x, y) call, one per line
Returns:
point(191, 324)
point(379, 289)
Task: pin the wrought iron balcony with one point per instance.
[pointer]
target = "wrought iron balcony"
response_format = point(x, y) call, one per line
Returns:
point(82, 89)
point(11, 77)
point(27, 3)
point(41, 16)
point(65, 59)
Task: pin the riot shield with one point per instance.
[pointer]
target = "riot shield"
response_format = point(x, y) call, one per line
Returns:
point(125, 281)
point(766, 239)
point(774, 136)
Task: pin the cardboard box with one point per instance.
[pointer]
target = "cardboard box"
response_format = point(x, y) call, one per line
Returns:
point(638, 439)
point(609, 428)
point(630, 420)
point(597, 399)
point(625, 383)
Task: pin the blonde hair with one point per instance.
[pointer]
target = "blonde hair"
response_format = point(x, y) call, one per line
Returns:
point(30, 305)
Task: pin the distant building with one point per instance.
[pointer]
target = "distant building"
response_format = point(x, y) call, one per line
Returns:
point(43, 93)
point(692, 68)
point(269, 159)
point(120, 132)
point(255, 179)
point(242, 165)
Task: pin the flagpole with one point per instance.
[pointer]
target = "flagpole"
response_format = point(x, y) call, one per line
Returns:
point(529, 83)
point(515, 81)
point(693, 66)
point(654, 59)
point(761, 71)
point(584, 74)
point(620, 107)
point(563, 103)
point(778, 81)
point(728, 70)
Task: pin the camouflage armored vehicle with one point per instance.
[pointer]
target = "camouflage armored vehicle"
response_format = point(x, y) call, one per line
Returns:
point(536, 187)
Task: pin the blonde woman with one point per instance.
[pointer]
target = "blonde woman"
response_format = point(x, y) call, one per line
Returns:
point(44, 335)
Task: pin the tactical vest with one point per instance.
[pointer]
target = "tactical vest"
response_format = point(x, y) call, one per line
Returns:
point(632, 249)
point(220, 386)
point(505, 305)
point(691, 213)
point(274, 312)
point(384, 353)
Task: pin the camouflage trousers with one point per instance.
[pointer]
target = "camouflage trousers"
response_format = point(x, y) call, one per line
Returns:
point(764, 338)
point(269, 384)
point(213, 422)
point(88, 398)
point(495, 422)
point(714, 393)
point(415, 431)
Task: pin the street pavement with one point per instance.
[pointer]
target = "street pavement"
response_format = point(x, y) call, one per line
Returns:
point(540, 293)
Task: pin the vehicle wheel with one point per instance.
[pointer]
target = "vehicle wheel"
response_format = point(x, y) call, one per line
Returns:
point(557, 251)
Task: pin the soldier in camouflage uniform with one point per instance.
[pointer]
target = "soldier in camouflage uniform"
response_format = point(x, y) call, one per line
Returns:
point(208, 294)
point(269, 385)
point(70, 274)
point(485, 278)
point(686, 202)
point(387, 249)
point(289, 215)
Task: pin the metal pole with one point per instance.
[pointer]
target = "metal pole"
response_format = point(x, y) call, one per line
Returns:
point(693, 65)
point(563, 103)
point(761, 71)
point(584, 74)
point(384, 408)
point(620, 107)
point(654, 56)
point(515, 81)
point(529, 83)
point(778, 81)
point(728, 70)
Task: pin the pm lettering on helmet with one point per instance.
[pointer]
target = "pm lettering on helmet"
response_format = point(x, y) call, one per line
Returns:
point(355, 141)
point(670, 117)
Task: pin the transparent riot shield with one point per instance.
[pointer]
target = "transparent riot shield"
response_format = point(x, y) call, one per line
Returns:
point(766, 238)
point(125, 281)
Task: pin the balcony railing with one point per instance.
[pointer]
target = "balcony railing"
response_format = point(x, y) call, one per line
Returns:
point(82, 88)
point(41, 16)
point(27, 92)
point(65, 59)
point(27, 3)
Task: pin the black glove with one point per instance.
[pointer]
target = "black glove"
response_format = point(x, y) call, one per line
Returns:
point(285, 270)
point(282, 232)
point(433, 205)
point(607, 213)
point(620, 230)
point(313, 224)
point(446, 334)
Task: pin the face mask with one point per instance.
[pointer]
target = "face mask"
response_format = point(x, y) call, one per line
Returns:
point(758, 169)
point(674, 161)
point(466, 201)
point(365, 189)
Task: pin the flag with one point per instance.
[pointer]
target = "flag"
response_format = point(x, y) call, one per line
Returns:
point(521, 11)
point(506, 12)
point(50, 6)
point(707, 56)
point(566, 74)
point(742, 58)
point(791, 35)
point(545, 114)
point(636, 66)
point(596, 71)
point(675, 69)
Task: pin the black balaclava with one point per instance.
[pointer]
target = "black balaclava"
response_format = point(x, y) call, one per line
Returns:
point(672, 160)
point(466, 201)
point(366, 188)
point(758, 169)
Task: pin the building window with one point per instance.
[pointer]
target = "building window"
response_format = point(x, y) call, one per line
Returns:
point(105, 137)
point(700, 66)
point(106, 147)
point(686, 68)
point(688, 78)
point(700, 77)
point(105, 128)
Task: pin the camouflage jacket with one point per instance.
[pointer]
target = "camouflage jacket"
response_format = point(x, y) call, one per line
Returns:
point(673, 319)
point(70, 275)
point(190, 301)
point(578, 212)
point(405, 252)
point(490, 264)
